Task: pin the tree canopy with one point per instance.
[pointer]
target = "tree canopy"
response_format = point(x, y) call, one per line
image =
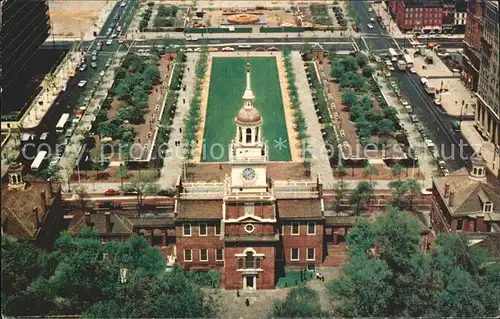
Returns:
point(388, 274)
point(301, 302)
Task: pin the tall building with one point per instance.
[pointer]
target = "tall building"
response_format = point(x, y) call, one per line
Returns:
point(419, 16)
point(472, 43)
point(488, 92)
point(25, 26)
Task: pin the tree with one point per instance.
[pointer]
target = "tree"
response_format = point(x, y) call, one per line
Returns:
point(340, 192)
point(367, 70)
point(341, 171)
point(360, 195)
point(301, 302)
point(370, 170)
point(143, 185)
point(97, 161)
point(397, 170)
point(83, 198)
point(385, 126)
point(349, 98)
point(388, 275)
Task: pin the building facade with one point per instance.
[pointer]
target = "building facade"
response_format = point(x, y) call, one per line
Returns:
point(488, 92)
point(472, 43)
point(420, 16)
point(466, 201)
point(25, 26)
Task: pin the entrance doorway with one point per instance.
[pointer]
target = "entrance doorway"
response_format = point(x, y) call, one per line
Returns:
point(249, 282)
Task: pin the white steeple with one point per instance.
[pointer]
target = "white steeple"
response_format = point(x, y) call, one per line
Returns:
point(248, 97)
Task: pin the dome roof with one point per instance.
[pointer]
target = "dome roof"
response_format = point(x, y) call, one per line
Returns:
point(478, 160)
point(248, 116)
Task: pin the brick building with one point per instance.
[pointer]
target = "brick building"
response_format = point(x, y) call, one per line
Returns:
point(472, 43)
point(421, 16)
point(466, 201)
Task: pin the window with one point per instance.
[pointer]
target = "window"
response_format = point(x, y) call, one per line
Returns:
point(219, 254)
point(249, 260)
point(248, 135)
point(294, 254)
point(256, 134)
point(186, 229)
point(188, 255)
point(282, 229)
point(311, 228)
point(203, 255)
point(311, 253)
point(460, 224)
point(203, 229)
point(217, 229)
point(240, 263)
point(488, 207)
point(295, 229)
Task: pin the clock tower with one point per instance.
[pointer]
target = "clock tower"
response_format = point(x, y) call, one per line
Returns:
point(248, 152)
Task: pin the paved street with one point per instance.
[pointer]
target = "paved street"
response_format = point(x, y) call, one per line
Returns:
point(320, 162)
point(172, 165)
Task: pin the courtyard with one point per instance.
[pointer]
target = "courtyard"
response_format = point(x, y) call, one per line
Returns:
point(227, 84)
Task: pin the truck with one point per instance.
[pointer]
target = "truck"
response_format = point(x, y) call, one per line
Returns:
point(401, 65)
point(431, 90)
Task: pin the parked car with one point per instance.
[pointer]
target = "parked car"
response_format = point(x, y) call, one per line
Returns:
point(197, 50)
point(111, 192)
point(121, 40)
point(260, 49)
point(94, 58)
point(119, 28)
point(108, 63)
point(212, 49)
point(82, 83)
point(109, 41)
point(189, 50)
point(227, 49)
point(93, 64)
point(370, 26)
point(166, 192)
point(273, 49)
point(83, 67)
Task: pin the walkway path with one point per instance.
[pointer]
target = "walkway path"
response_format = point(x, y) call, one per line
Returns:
point(172, 164)
point(320, 162)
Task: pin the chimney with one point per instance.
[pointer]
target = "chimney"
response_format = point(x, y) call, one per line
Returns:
point(87, 219)
point(43, 201)
point(446, 190)
point(35, 212)
point(107, 216)
point(451, 202)
point(51, 194)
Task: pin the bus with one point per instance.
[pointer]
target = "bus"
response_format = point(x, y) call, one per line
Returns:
point(61, 125)
point(408, 60)
point(38, 161)
point(455, 126)
point(393, 54)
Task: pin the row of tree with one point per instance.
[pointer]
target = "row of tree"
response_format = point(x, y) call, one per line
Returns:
point(83, 276)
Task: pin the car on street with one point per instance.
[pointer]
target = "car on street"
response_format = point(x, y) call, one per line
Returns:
point(99, 43)
point(445, 172)
point(370, 9)
point(413, 70)
point(114, 35)
point(124, 4)
point(372, 20)
point(119, 28)
point(166, 192)
point(191, 39)
point(109, 41)
point(370, 26)
point(94, 58)
point(94, 65)
point(273, 49)
point(189, 50)
point(83, 67)
point(197, 50)
point(437, 102)
point(82, 83)
point(227, 49)
point(108, 63)
point(244, 47)
point(414, 118)
point(94, 52)
point(212, 49)
point(391, 68)
point(102, 73)
point(260, 49)
point(111, 192)
point(121, 40)
point(99, 48)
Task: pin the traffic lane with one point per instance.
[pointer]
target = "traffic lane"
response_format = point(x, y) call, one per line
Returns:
point(437, 123)
point(383, 42)
point(110, 19)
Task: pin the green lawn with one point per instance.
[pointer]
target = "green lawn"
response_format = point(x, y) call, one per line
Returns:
point(227, 84)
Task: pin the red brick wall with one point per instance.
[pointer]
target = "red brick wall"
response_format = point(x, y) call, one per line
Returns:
point(239, 229)
point(233, 279)
point(408, 23)
point(234, 211)
point(195, 242)
point(302, 241)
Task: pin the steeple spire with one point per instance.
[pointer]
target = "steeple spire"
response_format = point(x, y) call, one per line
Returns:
point(248, 96)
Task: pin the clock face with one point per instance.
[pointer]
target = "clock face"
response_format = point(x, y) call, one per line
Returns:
point(249, 174)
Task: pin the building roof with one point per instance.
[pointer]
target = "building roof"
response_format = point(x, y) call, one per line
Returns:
point(490, 242)
point(299, 208)
point(469, 194)
point(340, 220)
point(260, 238)
point(152, 222)
point(248, 116)
point(120, 225)
point(18, 216)
point(199, 209)
point(422, 3)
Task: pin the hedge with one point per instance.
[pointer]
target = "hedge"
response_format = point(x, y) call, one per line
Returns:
point(217, 30)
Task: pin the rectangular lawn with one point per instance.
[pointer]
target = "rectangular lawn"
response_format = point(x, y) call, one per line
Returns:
point(227, 85)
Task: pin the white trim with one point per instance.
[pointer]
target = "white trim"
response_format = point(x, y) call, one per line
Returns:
point(314, 254)
point(184, 230)
point(291, 229)
point(249, 250)
point(206, 229)
point(184, 257)
point(200, 254)
point(291, 254)
point(314, 233)
point(256, 218)
point(249, 231)
point(216, 254)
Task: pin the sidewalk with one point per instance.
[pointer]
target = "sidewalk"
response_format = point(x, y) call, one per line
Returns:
point(320, 159)
point(172, 164)
point(479, 145)
point(233, 35)
point(381, 9)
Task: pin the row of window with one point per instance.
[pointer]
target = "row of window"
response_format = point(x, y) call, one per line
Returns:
point(426, 22)
point(295, 254)
point(203, 229)
point(219, 255)
point(419, 15)
point(421, 9)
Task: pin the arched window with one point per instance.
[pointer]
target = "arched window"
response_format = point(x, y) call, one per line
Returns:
point(249, 260)
point(240, 134)
point(249, 135)
point(256, 134)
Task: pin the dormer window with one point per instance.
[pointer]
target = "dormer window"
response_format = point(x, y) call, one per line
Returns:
point(488, 207)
